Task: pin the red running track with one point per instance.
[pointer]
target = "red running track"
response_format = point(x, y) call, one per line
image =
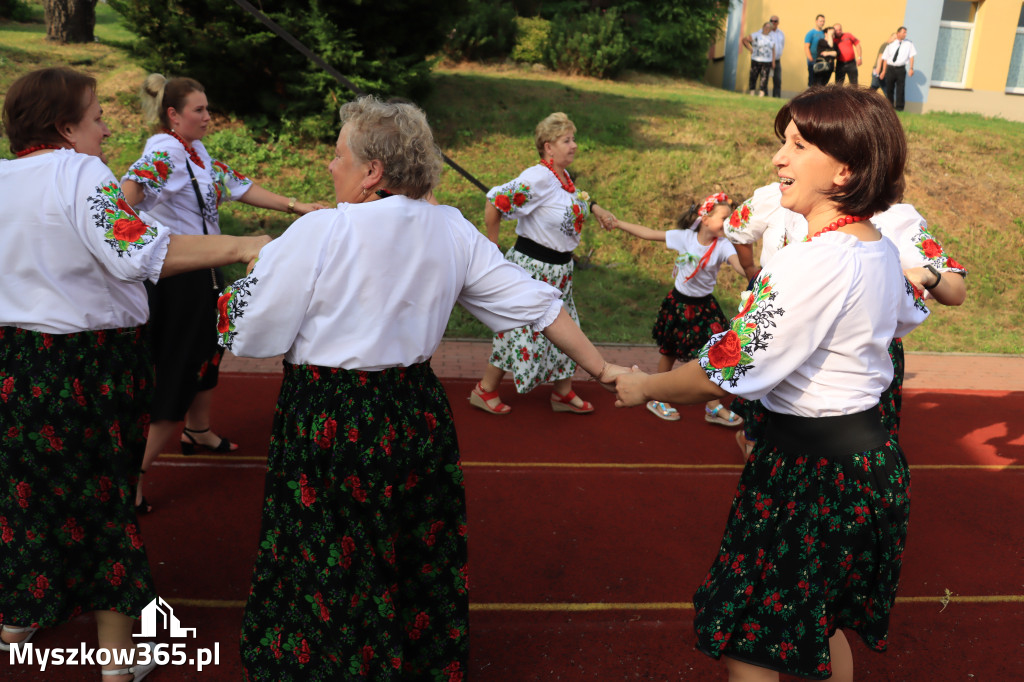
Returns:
point(589, 534)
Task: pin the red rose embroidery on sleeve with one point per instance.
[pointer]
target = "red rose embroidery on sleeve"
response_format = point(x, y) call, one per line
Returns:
point(725, 353)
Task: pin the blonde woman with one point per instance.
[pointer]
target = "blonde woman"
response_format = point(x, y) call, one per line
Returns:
point(550, 211)
point(178, 183)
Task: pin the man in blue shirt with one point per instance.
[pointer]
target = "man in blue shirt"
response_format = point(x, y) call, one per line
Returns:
point(811, 45)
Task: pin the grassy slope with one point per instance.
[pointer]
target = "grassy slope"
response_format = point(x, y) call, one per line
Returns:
point(648, 146)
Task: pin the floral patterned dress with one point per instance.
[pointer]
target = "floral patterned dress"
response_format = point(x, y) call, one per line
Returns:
point(75, 378)
point(552, 215)
point(183, 307)
point(815, 535)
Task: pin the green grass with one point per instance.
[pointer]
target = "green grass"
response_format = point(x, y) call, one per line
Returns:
point(648, 147)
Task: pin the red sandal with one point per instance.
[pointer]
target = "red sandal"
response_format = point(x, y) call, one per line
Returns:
point(563, 403)
point(478, 398)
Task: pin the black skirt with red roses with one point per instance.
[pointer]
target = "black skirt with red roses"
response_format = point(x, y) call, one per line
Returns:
point(74, 410)
point(685, 323)
point(813, 543)
point(361, 566)
point(891, 403)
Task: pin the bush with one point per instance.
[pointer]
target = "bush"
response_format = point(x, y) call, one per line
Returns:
point(592, 44)
point(249, 71)
point(15, 10)
point(673, 37)
point(486, 31)
point(531, 38)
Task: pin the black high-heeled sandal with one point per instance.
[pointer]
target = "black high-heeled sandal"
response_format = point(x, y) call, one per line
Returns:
point(191, 448)
point(144, 507)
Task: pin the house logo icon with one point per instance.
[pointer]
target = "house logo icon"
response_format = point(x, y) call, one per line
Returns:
point(156, 611)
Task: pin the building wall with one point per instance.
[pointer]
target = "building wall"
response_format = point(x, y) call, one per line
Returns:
point(984, 91)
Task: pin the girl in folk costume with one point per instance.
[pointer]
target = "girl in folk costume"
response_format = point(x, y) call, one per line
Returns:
point(689, 315)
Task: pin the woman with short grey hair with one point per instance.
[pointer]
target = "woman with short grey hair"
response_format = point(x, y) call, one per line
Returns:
point(361, 567)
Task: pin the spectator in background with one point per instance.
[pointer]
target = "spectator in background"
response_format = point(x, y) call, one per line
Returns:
point(878, 72)
point(899, 63)
point(811, 46)
point(780, 42)
point(762, 58)
point(849, 55)
point(826, 57)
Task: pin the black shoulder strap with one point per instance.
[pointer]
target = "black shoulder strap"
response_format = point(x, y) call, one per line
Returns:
point(199, 197)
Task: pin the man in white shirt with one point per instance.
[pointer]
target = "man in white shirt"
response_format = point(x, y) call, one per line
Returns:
point(780, 42)
point(899, 63)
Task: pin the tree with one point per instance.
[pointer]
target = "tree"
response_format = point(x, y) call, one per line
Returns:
point(70, 21)
point(246, 69)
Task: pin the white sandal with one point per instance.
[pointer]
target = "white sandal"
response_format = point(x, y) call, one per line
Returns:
point(712, 417)
point(6, 646)
point(139, 671)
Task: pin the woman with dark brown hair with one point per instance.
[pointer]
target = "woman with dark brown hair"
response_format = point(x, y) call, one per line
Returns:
point(75, 372)
point(814, 540)
point(178, 183)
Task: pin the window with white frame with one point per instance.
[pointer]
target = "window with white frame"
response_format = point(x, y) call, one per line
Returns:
point(1015, 78)
point(956, 29)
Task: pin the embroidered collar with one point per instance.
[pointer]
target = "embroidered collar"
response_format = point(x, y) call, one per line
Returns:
point(188, 148)
point(568, 185)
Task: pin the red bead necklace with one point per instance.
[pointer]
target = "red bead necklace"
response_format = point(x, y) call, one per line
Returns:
point(568, 184)
point(836, 224)
point(191, 152)
point(38, 147)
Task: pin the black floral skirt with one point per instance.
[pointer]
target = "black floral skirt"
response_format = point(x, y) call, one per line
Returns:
point(812, 544)
point(74, 410)
point(686, 323)
point(361, 570)
point(891, 402)
point(183, 334)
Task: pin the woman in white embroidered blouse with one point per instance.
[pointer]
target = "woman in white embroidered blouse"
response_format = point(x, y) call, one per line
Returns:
point(75, 373)
point(364, 515)
point(814, 540)
point(550, 211)
point(179, 184)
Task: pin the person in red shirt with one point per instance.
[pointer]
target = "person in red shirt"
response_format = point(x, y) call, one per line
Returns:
point(849, 56)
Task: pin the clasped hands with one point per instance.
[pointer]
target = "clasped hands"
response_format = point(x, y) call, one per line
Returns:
point(606, 218)
point(627, 383)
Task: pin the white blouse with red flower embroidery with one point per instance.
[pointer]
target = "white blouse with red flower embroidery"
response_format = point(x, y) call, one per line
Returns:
point(813, 338)
point(762, 218)
point(168, 195)
point(690, 253)
point(73, 254)
point(547, 213)
point(371, 286)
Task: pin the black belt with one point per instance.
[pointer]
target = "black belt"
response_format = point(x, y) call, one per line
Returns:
point(536, 251)
point(846, 434)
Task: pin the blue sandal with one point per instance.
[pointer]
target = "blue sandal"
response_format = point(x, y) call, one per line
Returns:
point(712, 417)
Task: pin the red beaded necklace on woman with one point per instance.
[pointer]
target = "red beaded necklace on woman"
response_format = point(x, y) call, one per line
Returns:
point(191, 152)
point(567, 184)
point(37, 148)
point(836, 224)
